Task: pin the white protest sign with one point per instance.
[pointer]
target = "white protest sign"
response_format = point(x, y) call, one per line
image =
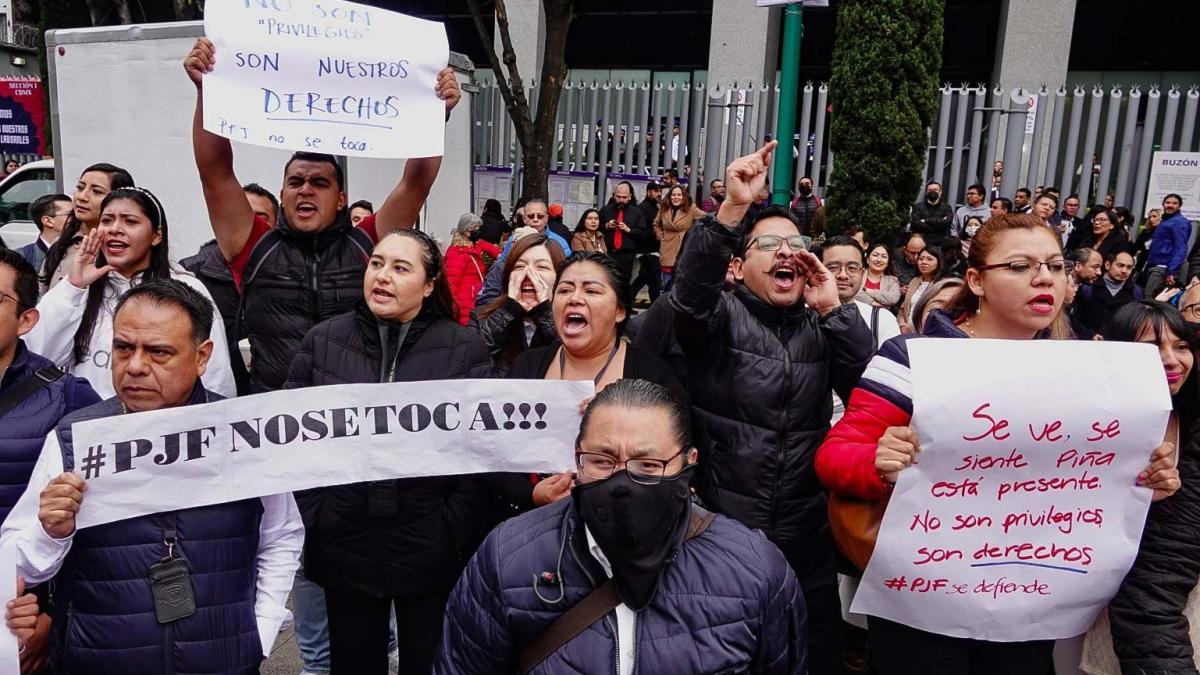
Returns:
point(10, 652)
point(325, 76)
point(1022, 515)
point(284, 441)
point(1175, 173)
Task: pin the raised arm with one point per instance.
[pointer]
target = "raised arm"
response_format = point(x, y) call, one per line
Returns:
point(400, 208)
point(228, 209)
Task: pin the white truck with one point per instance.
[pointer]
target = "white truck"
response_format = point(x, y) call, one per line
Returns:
point(119, 95)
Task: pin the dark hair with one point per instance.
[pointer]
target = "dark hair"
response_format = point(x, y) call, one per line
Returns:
point(44, 206)
point(364, 204)
point(319, 157)
point(117, 178)
point(952, 256)
point(918, 309)
point(1005, 203)
point(617, 280)
point(175, 294)
point(673, 173)
point(515, 343)
point(654, 185)
point(1111, 214)
point(582, 219)
point(492, 207)
point(641, 394)
point(665, 208)
point(1024, 191)
point(1130, 320)
point(256, 189)
point(842, 241)
point(1083, 254)
point(1124, 217)
point(941, 270)
point(933, 182)
point(1119, 250)
point(158, 268)
point(752, 220)
point(1072, 196)
point(441, 300)
point(1047, 195)
point(1052, 188)
point(967, 220)
point(886, 249)
point(978, 188)
point(1175, 195)
point(983, 244)
point(25, 283)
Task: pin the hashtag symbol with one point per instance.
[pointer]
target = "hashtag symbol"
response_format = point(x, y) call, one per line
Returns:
point(93, 461)
point(896, 583)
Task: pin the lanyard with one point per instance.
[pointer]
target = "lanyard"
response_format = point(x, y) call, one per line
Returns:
point(562, 361)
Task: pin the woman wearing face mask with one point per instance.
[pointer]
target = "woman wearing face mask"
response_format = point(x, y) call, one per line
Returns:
point(465, 264)
point(929, 270)
point(675, 217)
point(128, 246)
point(94, 184)
point(880, 286)
point(970, 226)
point(588, 236)
point(1015, 285)
point(393, 543)
point(1151, 612)
point(522, 318)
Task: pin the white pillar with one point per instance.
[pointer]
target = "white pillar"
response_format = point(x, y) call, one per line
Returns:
point(744, 43)
point(527, 28)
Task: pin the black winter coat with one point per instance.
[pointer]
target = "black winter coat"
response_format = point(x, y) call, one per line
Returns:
point(760, 379)
point(418, 548)
point(931, 221)
point(503, 331)
point(631, 241)
point(210, 268)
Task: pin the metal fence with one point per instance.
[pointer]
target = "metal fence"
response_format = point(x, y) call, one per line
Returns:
point(1085, 142)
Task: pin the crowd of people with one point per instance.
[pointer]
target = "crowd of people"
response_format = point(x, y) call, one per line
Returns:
point(769, 371)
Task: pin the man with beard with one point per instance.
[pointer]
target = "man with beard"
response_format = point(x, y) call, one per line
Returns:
point(638, 588)
point(624, 230)
point(1168, 246)
point(932, 216)
point(1098, 301)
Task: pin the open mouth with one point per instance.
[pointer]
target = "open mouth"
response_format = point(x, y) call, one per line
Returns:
point(785, 276)
point(306, 209)
point(574, 323)
point(382, 295)
point(1042, 304)
point(527, 288)
point(115, 247)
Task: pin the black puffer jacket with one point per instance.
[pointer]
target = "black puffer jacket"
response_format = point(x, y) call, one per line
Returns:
point(1149, 630)
point(931, 221)
point(210, 268)
point(760, 382)
point(503, 331)
point(419, 548)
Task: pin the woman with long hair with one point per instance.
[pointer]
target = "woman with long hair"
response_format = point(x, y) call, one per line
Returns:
point(1108, 235)
point(675, 217)
point(465, 263)
point(1015, 287)
point(588, 236)
point(930, 268)
point(93, 185)
point(880, 288)
point(1141, 247)
point(128, 246)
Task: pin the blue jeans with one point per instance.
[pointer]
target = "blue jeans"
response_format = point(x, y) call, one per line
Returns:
point(311, 624)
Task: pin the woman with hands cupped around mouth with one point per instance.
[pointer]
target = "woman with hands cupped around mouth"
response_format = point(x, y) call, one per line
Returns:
point(1016, 282)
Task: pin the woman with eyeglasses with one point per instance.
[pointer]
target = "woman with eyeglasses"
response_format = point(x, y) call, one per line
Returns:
point(929, 270)
point(391, 544)
point(1015, 286)
point(1108, 235)
point(880, 288)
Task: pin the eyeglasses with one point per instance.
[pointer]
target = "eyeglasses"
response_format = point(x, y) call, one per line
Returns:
point(1191, 312)
point(1025, 268)
point(850, 268)
point(645, 471)
point(5, 296)
point(771, 242)
point(535, 216)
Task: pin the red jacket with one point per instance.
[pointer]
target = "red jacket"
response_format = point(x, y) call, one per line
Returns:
point(465, 270)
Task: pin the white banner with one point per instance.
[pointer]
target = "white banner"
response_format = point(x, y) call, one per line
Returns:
point(1022, 515)
point(10, 658)
point(1178, 173)
point(325, 76)
point(284, 441)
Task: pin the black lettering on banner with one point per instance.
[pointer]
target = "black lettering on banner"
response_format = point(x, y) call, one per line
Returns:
point(282, 429)
point(249, 434)
point(313, 422)
point(440, 418)
point(380, 413)
point(127, 451)
point(345, 422)
point(484, 417)
point(414, 417)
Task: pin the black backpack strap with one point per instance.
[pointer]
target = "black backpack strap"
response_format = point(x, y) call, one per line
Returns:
point(263, 249)
point(28, 387)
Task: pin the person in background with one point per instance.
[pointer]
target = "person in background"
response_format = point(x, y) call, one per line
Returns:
point(880, 287)
point(670, 178)
point(522, 318)
point(1000, 206)
point(10, 167)
point(1098, 301)
point(50, 213)
point(587, 236)
point(1142, 246)
point(494, 226)
point(847, 262)
point(93, 186)
point(929, 269)
point(953, 262)
point(1021, 201)
point(555, 224)
point(975, 206)
point(536, 215)
point(716, 195)
point(805, 205)
point(653, 200)
point(671, 224)
point(649, 273)
point(1089, 264)
point(940, 294)
point(1071, 227)
point(906, 264)
point(465, 264)
point(1106, 236)
point(970, 227)
point(624, 225)
point(1044, 207)
point(857, 233)
point(1168, 247)
point(931, 217)
point(359, 211)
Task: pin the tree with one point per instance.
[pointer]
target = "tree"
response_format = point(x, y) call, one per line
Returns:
point(535, 132)
point(884, 91)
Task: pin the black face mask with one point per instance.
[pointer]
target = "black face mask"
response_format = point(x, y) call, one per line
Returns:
point(932, 197)
point(806, 190)
point(636, 526)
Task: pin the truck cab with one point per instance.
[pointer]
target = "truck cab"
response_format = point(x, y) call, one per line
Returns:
point(17, 192)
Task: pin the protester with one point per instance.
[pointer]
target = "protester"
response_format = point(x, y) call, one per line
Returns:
point(395, 543)
point(93, 186)
point(975, 206)
point(1106, 236)
point(1021, 201)
point(359, 211)
point(931, 217)
point(1141, 247)
point(129, 247)
point(307, 268)
point(805, 205)
point(1000, 206)
point(906, 264)
point(1099, 301)
point(649, 269)
point(522, 318)
point(783, 340)
point(628, 520)
point(1168, 247)
point(50, 213)
point(1189, 307)
point(880, 287)
point(930, 268)
point(624, 225)
point(716, 195)
point(555, 223)
point(954, 263)
point(846, 261)
point(1088, 265)
point(671, 224)
point(494, 226)
point(1071, 227)
point(652, 201)
point(587, 236)
point(535, 214)
point(1044, 207)
point(1016, 281)
point(940, 294)
point(240, 556)
point(970, 227)
point(465, 264)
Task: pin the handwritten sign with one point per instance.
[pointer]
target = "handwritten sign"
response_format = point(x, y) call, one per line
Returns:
point(1022, 515)
point(325, 76)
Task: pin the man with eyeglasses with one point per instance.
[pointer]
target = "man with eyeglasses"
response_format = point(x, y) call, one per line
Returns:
point(1098, 301)
point(535, 214)
point(628, 574)
point(1189, 306)
point(762, 363)
point(846, 260)
point(975, 206)
point(50, 214)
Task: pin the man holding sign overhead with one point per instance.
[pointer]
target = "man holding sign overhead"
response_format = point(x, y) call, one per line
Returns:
point(310, 266)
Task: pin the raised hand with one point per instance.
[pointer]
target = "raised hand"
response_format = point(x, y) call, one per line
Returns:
point(447, 89)
point(540, 286)
point(820, 288)
point(200, 60)
point(83, 269)
point(60, 501)
point(744, 179)
point(896, 451)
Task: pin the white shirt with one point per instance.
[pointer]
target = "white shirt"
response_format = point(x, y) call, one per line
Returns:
point(888, 329)
point(280, 539)
point(626, 618)
point(61, 310)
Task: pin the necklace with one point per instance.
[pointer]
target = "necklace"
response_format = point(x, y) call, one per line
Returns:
point(967, 327)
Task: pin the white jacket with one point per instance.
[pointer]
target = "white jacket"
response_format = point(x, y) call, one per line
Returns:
point(61, 310)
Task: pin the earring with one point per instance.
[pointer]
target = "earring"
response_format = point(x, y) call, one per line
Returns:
point(978, 311)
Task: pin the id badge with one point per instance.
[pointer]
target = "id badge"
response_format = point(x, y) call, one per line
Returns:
point(382, 498)
point(171, 587)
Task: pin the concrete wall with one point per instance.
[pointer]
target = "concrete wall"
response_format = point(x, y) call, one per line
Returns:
point(744, 44)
